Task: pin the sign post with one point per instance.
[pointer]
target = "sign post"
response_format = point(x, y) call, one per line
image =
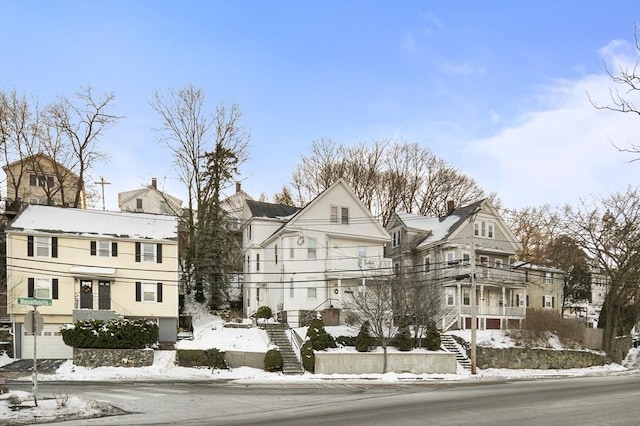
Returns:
point(34, 325)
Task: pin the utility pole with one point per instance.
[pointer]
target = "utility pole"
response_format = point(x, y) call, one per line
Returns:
point(472, 275)
point(102, 183)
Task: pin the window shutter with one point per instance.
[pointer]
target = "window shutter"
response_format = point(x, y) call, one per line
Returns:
point(30, 246)
point(138, 291)
point(553, 301)
point(543, 300)
point(54, 288)
point(54, 246)
point(159, 253)
point(137, 252)
point(159, 293)
point(527, 300)
point(31, 283)
point(93, 248)
point(114, 249)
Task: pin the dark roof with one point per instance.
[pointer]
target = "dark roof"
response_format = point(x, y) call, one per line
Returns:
point(270, 210)
point(464, 213)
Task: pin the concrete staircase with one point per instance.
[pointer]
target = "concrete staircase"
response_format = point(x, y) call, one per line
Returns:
point(277, 334)
point(449, 344)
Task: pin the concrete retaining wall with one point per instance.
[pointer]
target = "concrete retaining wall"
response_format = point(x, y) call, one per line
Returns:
point(543, 359)
point(112, 357)
point(236, 359)
point(371, 363)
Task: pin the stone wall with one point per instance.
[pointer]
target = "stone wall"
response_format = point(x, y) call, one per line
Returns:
point(112, 357)
point(543, 359)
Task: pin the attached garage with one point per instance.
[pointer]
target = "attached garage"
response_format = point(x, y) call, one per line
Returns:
point(49, 345)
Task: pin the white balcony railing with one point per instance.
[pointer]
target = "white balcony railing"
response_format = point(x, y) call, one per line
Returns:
point(506, 311)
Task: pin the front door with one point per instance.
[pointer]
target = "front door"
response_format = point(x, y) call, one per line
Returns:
point(104, 295)
point(86, 294)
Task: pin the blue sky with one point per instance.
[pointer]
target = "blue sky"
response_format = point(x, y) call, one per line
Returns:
point(496, 88)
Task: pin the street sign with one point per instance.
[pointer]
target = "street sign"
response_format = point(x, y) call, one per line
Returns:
point(33, 323)
point(34, 301)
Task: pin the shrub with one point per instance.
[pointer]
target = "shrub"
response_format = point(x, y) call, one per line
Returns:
point(273, 360)
point(215, 359)
point(113, 334)
point(308, 357)
point(364, 340)
point(318, 336)
point(432, 340)
point(346, 340)
point(264, 312)
point(403, 340)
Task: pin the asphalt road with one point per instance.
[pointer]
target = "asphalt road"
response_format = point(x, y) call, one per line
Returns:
point(608, 400)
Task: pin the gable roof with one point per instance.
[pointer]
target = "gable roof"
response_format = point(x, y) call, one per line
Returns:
point(35, 158)
point(438, 229)
point(124, 197)
point(83, 222)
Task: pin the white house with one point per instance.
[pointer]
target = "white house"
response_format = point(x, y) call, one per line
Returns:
point(90, 264)
point(149, 199)
point(301, 262)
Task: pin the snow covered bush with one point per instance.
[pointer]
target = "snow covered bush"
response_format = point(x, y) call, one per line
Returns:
point(113, 334)
point(273, 360)
point(263, 312)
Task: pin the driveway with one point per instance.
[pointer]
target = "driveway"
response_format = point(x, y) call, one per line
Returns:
point(23, 367)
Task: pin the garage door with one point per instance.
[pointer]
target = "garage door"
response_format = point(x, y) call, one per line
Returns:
point(50, 344)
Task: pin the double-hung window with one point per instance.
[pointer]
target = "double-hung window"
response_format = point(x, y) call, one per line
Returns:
point(40, 246)
point(148, 292)
point(339, 214)
point(148, 252)
point(311, 249)
point(104, 248)
point(42, 288)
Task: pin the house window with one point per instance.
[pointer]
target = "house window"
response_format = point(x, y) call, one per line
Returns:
point(345, 215)
point(275, 253)
point(42, 246)
point(450, 258)
point(148, 252)
point(396, 268)
point(149, 292)
point(311, 249)
point(33, 180)
point(490, 230)
point(483, 229)
point(257, 262)
point(450, 297)
point(466, 300)
point(248, 263)
point(465, 258)
point(548, 277)
point(427, 264)
point(362, 255)
point(291, 287)
point(548, 302)
point(292, 250)
point(104, 248)
point(312, 293)
point(42, 288)
point(249, 233)
point(139, 203)
point(395, 239)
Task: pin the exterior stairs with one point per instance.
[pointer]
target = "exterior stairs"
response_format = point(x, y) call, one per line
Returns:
point(449, 344)
point(290, 363)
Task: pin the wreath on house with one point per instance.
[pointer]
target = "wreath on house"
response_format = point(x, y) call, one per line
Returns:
point(86, 289)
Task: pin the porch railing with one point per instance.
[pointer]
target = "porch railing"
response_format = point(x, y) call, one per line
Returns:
point(507, 311)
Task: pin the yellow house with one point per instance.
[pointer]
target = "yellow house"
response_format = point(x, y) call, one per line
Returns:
point(89, 264)
point(39, 179)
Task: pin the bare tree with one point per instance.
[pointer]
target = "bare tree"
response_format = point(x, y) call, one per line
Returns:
point(207, 150)
point(608, 229)
point(372, 302)
point(79, 123)
point(386, 175)
point(628, 78)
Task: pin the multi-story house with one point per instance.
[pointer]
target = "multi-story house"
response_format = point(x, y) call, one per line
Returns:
point(545, 286)
point(149, 199)
point(39, 179)
point(90, 264)
point(301, 262)
point(446, 251)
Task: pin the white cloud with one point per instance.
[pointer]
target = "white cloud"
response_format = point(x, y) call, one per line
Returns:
point(560, 152)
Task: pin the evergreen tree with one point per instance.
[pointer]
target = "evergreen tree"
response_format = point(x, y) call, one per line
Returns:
point(403, 340)
point(364, 340)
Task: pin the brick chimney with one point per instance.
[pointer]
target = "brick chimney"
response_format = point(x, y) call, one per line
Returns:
point(154, 183)
point(238, 187)
point(450, 207)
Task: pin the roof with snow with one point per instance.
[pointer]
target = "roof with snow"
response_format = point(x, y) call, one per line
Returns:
point(36, 218)
point(440, 228)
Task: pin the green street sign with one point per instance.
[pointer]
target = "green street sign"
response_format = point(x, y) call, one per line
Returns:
point(34, 301)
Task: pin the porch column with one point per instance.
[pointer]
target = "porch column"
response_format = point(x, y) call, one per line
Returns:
point(504, 301)
point(459, 307)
